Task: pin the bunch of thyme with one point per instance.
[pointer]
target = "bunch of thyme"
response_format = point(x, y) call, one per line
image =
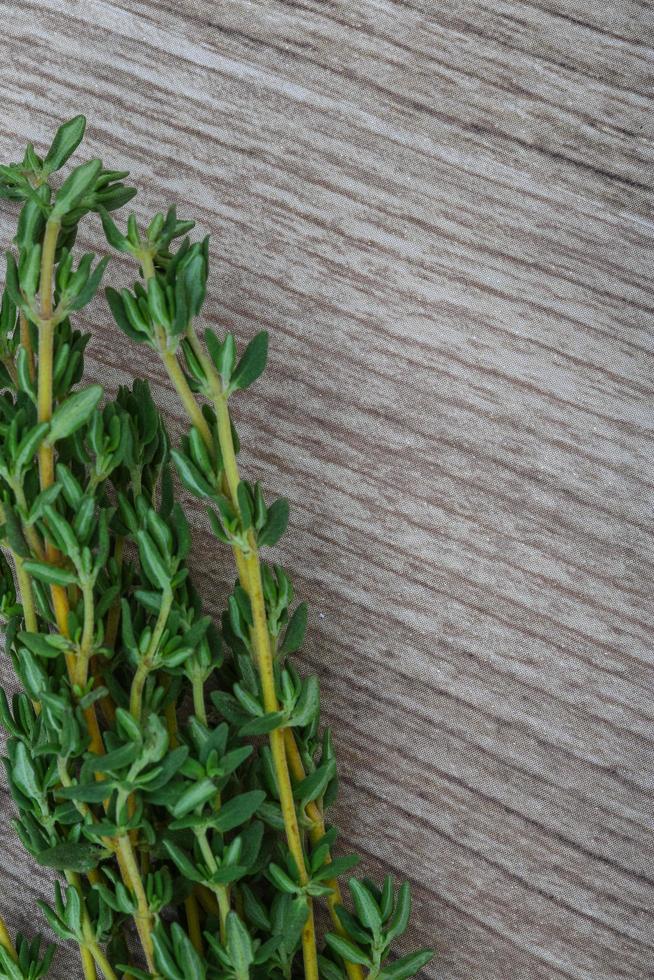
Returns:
point(171, 769)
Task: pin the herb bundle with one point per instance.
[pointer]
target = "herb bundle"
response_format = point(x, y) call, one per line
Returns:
point(173, 770)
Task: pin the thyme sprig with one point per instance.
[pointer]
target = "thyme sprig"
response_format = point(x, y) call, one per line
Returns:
point(171, 769)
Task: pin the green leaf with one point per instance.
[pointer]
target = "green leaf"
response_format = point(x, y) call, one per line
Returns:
point(182, 861)
point(402, 913)
point(135, 314)
point(314, 785)
point(113, 197)
point(294, 636)
point(10, 970)
point(239, 945)
point(63, 533)
point(282, 880)
point(351, 925)
point(80, 857)
point(14, 532)
point(190, 476)
point(336, 868)
point(29, 445)
point(86, 792)
point(248, 700)
point(406, 966)
point(347, 950)
point(271, 814)
point(195, 796)
point(153, 564)
point(228, 873)
point(42, 500)
point(113, 236)
point(72, 490)
point(222, 354)
point(50, 574)
point(23, 773)
point(133, 971)
point(168, 767)
point(73, 413)
point(67, 138)
point(117, 307)
point(228, 707)
point(276, 524)
point(386, 900)
point(157, 304)
point(79, 183)
point(252, 364)
point(25, 382)
point(195, 279)
point(44, 645)
point(11, 280)
point(329, 970)
point(244, 504)
point(192, 966)
point(264, 725)
point(163, 956)
point(55, 923)
point(293, 912)
point(29, 270)
point(127, 725)
point(308, 704)
point(90, 288)
point(255, 910)
point(115, 760)
point(366, 906)
point(238, 810)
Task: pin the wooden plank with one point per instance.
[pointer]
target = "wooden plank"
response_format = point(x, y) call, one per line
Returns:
point(443, 214)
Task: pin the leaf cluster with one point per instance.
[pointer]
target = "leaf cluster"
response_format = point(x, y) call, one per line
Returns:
point(143, 749)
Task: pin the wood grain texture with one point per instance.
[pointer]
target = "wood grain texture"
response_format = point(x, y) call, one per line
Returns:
point(443, 214)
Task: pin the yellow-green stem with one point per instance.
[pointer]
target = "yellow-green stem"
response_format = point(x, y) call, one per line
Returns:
point(103, 963)
point(220, 891)
point(192, 910)
point(26, 596)
point(6, 941)
point(44, 409)
point(88, 965)
point(26, 342)
point(29, 531)
point(86, 646)
point(136, 693)
point(113, 621)
point(199, 707)
point(316, 833)
point(145, 666)
point(45, 395)
point(125, 854)
point(251, 582)
point(46, 345)
point(142, 916)
point(192, 408)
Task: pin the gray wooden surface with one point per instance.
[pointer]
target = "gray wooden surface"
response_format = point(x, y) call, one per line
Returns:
point(443, 214)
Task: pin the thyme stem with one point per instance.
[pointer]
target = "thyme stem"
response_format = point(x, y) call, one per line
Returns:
point(143, 916)
point(251, 582)
point(6, 941)
point(26, 595)
point(146, 664)
point(127, 862)
point(220, 891)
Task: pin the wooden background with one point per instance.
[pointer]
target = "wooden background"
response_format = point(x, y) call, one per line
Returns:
point(442, 211)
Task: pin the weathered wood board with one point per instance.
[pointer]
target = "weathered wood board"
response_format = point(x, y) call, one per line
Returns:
point(443, 214)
